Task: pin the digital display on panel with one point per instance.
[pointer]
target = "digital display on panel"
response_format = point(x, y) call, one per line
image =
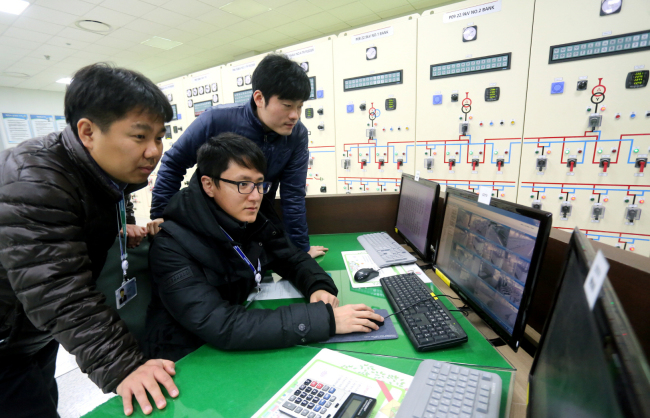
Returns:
point(375, 80)
point(312, 84)
point(487, 252)
point(594, 48)
point(200, 107)
point(471, 66)
point(243, 96)
point(637, 79)
point(174, 114)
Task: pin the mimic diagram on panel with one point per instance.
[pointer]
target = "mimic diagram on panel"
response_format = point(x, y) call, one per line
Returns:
point(470, 103)
point(315, 58)
point(375, 118)
point(587, 133)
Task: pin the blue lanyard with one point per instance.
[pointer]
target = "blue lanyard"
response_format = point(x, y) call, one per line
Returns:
point(257, 273)
point(121, 226)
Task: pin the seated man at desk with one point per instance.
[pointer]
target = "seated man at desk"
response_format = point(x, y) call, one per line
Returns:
point(210, 254)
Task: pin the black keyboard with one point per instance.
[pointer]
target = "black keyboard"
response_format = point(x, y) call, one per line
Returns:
point(429, 325)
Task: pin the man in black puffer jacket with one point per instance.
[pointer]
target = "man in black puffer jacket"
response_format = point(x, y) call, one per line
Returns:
point(58, 218)
point(209, 256)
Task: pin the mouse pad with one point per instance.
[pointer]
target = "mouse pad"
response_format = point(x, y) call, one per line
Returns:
point(387, 332)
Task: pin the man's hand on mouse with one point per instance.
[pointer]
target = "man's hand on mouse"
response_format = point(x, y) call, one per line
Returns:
point(355, 318)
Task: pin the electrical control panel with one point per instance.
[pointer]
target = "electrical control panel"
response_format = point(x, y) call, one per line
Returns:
point(471, 96)
point(315, 57)
point(203, 91)
point(374, 96)
point(587, 144)
point(237, 79)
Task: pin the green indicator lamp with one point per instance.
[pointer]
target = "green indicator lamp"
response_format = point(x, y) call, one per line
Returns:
point(447, 152)
point(636, 150)
point(600, 150)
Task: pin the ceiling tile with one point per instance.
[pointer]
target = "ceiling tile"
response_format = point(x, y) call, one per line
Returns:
point(10, 81)
point(28, 35)
point(131, 7)
point(165, 17)
point(245, 8)
point(294, 29)
point(335, 29)
point(321, 20)
point(247, 28)
point(130, 35)
point(103, 49)
point(31, 69)
point(274, 4)
point(299, 9)
point(114, 42)
point(35, 25)
point(384, 5)
point(54, 52)
point(8, 60)
point(178, 35)
point(146, 51)
point(35, 61)
point(19, 43)
point(80, 35)
point(198, 28)
point(428, 4)
point(49, 15)
point(90, 55)
point(219, 18)
point(306, 36)
point(399, 11)
point(181, 51)
point(96, 2)
point(271, 36)
point(67, 43)
point(253, 44)
point(365, 20)
point(190, 8)
point(113, 18)
point(215, 39)
point(351, 11)
point(271, 19)
point(12, 50)
point(329, 4)
point(3, 28)
point(128, 55)
point(156, 2)
point(55, 87)
point(35, 84)
point(147, 26)
point(67, 66)
point(216, 3)
point(8, 19)
point(74, 7)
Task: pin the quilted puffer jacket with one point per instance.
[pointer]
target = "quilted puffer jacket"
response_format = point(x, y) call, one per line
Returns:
point(58, 218)
point(286, 158)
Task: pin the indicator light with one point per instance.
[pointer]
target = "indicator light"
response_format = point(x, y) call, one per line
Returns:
point(496, 152)
point(447, 152)
point(606, 200)
point(579, 151)
point(561, 197)
point(573, 198)
point(600, 151)
point(543, 196)
point(641, 201)
point(503, 194)
point(631, 248)
point(602, 109)
point(532, 196)
point(471, 153)
point(567, 151)
point(636, 150)
point(548, 152)
point(435, 153)
point(592, 199)
point(536, 151)
point(627, 200)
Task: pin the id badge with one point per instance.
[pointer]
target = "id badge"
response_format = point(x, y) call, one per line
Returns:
point(125, 293)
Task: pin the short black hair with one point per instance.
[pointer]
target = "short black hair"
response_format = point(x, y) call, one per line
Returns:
point(277, 75)
point(214, 156)
point(105, 94)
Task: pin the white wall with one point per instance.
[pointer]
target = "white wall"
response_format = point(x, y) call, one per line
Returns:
point(28, 101)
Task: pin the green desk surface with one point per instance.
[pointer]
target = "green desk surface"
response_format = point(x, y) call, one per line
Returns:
point(217, 384)
point(222, 384)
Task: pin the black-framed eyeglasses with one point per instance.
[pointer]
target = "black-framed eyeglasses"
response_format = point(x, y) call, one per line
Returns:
point(247, 187)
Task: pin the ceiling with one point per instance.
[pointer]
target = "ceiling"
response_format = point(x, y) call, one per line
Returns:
point(45, 45)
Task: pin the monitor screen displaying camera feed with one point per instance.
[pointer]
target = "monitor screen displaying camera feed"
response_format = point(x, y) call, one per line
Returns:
point(487, 253)
point(415, 213)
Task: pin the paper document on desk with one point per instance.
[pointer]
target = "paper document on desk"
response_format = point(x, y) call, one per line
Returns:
point(280, 290)
point(387, 386)
point(355, 260)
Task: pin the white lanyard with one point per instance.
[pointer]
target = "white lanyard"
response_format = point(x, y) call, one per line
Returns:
point(121, 226)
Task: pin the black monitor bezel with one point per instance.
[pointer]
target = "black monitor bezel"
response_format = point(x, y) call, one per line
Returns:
point(546, 220)
point(427, 255)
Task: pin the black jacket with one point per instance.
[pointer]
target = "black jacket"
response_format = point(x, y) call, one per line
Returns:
point(286, 158)
point(58, 218)
point(200, 283)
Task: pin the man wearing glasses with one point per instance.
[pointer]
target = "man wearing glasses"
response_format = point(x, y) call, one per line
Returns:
point(211, 253)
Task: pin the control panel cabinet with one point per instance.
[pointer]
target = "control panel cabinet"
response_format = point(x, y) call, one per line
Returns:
point(471, 94)
point(588, 119)
point(317, 114)
point(375, 86)
point(237, 79)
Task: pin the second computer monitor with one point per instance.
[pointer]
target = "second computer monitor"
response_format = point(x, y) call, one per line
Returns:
point(418, 204)
point(491, 254)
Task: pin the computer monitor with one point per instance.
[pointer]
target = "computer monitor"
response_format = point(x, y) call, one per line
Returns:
point(416, 212)
point(491, 255)
point(589, 362)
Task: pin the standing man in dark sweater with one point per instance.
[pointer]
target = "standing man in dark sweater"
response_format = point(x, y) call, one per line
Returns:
point(210, 254)
point(61, 207)
point(271, 119)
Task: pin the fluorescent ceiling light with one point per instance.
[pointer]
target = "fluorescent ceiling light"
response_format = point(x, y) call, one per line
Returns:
point(162, 43)
point(65, 80)
point(15, 7)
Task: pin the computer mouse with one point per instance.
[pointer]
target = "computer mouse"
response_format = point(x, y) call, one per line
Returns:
point(363, 275)
point(380, 324)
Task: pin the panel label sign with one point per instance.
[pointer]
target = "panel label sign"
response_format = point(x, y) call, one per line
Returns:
point(244, 66)
point(167, 87)
point(301, 52)
point(481, 9)
point(375, 34)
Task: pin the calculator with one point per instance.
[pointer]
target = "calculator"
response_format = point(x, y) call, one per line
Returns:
point(315, 399)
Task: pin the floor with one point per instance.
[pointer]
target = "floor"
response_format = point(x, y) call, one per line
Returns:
point(78, 395)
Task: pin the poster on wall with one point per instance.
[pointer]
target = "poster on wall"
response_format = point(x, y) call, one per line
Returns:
point(16, 127)
point(59, 122)
point(42, 124)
